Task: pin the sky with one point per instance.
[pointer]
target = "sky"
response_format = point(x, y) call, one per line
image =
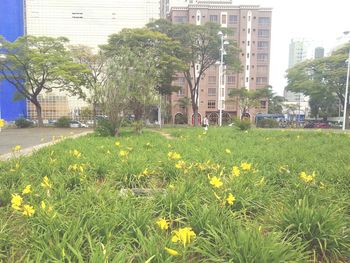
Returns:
point(321, 21)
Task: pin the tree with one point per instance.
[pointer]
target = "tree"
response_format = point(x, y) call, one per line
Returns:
point(322, 79)
point(95, 76)
point(143, 62)
point(37, 64)
point(274, 102)
point(184, 103)
point(200, 49)
point(248, 99)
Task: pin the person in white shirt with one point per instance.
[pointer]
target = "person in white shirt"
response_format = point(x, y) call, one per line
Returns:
point(205, 123)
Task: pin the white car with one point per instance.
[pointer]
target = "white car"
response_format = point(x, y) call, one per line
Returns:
point(77, 124)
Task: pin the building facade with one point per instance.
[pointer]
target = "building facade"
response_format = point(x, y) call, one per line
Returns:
point(251, 27)
point(11, 27)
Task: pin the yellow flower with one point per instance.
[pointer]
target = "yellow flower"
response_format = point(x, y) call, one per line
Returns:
point(283, 168)
point(117, 143)
point(46, 183)
point(2, 123)
point(27, 189)
point(322, 185)
point(180, 165)
point(228, 151)
point(216, 182)
point(307, 178)
point(235, 171)
point(28, 210)
point(230, 199)
point(174, 156)
point(16, 201)
point(16, 148)
point(76, 153)
point(171, 251)
point(162, 223)
point(246, 166)
point(183, 235)
point(123, 153)
point(43, 205)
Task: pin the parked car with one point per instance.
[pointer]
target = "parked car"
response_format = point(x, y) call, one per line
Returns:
point(309, 125)
point(322, 125)
point(77, 124)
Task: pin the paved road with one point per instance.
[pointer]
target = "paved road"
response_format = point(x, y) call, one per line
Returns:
point(32, 136)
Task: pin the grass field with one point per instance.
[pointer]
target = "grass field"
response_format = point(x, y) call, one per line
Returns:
point(221, 196)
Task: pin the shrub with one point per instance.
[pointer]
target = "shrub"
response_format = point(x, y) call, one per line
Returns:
point(104, 128)
point(243, 125)
point(23, 123)
point(62, 122)
point(138, 126)
point(267, 123)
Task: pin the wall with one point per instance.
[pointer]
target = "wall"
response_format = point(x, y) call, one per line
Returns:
point(11, 27)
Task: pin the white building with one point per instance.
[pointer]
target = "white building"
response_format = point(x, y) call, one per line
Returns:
point(86, 22)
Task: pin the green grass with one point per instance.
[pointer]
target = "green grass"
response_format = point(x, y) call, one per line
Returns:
point(91, 213)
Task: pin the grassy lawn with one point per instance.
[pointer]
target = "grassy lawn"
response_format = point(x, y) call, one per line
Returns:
point(224, 196)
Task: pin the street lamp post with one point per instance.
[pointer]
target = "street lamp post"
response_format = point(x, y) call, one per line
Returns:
point(346, 93)
point(222, 81)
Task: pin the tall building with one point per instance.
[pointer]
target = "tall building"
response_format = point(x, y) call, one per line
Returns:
point(86, 22)
point(251, 25)
point(319, 52)
point(11, 27)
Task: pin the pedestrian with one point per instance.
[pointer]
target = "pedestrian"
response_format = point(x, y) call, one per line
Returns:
point(206, 123)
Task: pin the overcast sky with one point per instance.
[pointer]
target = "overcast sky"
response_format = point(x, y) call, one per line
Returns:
point(321, 21)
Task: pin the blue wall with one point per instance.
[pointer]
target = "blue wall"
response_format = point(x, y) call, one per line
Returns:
point(11, 27)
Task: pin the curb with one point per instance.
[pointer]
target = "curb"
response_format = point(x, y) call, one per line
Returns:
point(30, 150)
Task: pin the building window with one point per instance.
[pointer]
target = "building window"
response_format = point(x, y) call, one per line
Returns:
point(211, 104)
point(212, 80)
point(211, 91)
point(247, 55)
point(263, 33)
point(247, 67)
point(181, 80)
point(263, 44)
point(180, 19)
point(77, 15)
point(264, 20)
point(261, 69)
point(213, 18)
point(180, 93)
point(231, 79)
point(261, 80)
point(232, 19)
point(248, 30)
point(263, 57)
point(263, 104)
point(223, 19)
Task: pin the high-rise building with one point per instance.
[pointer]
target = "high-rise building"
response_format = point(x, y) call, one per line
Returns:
point(251, 25)
point(319, 52)
point(11, 27)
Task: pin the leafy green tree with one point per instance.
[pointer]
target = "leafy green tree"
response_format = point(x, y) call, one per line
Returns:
point(141, 62)
point(95, 77)
point(248, 99)
point(40, 64)
point(274, 101)
point(200, 49)
point(322, 79)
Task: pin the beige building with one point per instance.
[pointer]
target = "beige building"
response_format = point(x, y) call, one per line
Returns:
point(251, 26)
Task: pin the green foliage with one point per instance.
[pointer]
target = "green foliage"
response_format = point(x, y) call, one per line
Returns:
point(267, 123)
point(243, 124)
point(322, 228)
point(63, 122)
point(23, 123)
point(108, 193)
point(104, 128)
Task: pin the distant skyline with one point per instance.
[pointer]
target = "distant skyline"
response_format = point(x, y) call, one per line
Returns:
point(319, 21)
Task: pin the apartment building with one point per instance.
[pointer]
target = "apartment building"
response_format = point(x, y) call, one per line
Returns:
point(251, 27)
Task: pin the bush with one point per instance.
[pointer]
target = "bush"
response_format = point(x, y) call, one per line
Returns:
point(23, 123)
point(267, 123)
point(63, 122)
point(138, 126)
point(104, 128)
point(243, 125)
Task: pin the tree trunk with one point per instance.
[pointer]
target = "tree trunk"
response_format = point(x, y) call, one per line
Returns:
point(347, 124)
point(195, 116)
point(38, 113)
point(94, 114)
